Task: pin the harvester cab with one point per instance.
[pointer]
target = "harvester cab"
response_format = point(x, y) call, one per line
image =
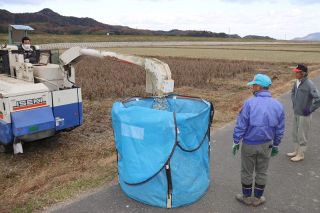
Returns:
point(38, 100)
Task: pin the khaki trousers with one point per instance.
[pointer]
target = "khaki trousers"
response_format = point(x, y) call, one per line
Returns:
point(301, 126)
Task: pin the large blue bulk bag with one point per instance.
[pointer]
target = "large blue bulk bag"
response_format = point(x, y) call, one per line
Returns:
point(163, 155)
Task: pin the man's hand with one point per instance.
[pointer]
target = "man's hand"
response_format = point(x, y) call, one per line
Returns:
point(306, 112)
point(274, 151)
point(235, 148)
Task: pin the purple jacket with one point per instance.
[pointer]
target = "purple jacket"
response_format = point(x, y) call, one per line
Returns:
point(260, 120)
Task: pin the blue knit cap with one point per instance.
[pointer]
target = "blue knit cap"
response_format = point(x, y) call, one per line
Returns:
point(261, 80)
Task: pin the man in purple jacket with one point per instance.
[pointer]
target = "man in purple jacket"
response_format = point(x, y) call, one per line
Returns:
point(260, 126)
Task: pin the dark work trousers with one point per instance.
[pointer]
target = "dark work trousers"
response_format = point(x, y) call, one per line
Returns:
point(255, 158)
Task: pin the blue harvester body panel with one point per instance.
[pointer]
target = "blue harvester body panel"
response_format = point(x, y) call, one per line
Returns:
point(32, 121)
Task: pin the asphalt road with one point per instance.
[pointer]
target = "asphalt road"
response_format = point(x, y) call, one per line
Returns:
point(292, 187)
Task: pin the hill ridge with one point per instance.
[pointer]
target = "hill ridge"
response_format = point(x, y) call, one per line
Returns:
point(48, 21)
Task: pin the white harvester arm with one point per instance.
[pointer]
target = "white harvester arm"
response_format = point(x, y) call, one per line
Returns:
point(158, 74)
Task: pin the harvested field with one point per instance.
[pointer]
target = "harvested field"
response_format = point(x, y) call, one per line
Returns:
point(289, 53)
point(61, 167)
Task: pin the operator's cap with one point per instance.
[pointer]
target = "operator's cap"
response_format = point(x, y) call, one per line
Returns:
point(261, 80)
point(300, 68)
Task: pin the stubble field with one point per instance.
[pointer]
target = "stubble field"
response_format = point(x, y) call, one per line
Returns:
point(273, 52)
point(66, 165)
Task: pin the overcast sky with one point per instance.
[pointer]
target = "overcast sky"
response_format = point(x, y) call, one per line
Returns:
point(276, 18)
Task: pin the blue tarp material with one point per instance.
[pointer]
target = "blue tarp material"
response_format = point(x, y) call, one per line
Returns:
point(163, 154)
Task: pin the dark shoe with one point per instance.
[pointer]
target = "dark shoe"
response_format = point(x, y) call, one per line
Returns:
point(244, 200)
point(258, 201)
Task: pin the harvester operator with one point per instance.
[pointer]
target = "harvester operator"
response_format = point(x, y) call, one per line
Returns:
point(28, 51)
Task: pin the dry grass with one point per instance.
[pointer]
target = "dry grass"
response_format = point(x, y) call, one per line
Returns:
point(101, 79)
point(61, 167)
point(220, 81)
